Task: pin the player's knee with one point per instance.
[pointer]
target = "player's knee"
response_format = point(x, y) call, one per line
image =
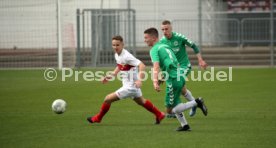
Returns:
point(140, 101)
point(108, 99)
point(184, 91)
point(175, 111)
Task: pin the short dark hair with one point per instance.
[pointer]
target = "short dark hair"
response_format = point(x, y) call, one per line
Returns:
point(118, 37)
point(166, 22)
point(152, 31)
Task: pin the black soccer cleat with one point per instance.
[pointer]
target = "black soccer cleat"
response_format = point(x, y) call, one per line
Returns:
point(183, 128)
point(201, 105)
point(89, 119)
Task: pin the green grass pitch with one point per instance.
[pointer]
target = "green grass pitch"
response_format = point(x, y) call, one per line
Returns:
point(242, 113)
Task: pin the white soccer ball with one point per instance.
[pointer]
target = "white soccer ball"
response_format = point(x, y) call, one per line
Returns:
point(59, 106)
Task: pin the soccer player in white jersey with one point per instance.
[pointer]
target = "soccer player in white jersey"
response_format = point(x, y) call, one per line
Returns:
point(132, 72)
point(178, 43)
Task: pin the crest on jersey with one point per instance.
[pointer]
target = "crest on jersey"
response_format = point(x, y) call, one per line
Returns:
point(175, 43)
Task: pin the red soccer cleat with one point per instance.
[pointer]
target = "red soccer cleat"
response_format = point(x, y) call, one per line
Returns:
point(160, 118)
point(93, 119)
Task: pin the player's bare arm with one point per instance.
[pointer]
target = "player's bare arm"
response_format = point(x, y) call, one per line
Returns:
point(110, 76)
point(201, 62)
point(141, 74)
point(156, 69)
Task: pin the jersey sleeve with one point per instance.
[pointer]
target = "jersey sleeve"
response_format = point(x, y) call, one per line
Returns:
point(162, 40)
point(189, 43)
point(154, 55)
point(131, 60)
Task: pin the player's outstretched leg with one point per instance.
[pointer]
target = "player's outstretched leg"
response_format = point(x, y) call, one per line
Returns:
point(159, 116)
point(97, 118)
point(184, 124)
point(104, 109)
point(188, 95)
point(201, 105)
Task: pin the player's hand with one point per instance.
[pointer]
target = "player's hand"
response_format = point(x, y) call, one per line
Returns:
point(202, 64)
point(156, 86)
point(105, 79)
point(160, 82)
point(138, 83)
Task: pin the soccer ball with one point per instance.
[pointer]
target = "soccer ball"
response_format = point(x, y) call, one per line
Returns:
point(59, 106)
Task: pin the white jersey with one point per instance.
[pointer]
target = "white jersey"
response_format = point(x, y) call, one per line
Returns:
point(127, 64)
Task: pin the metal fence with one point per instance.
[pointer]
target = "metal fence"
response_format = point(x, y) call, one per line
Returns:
point(223, 32)
point(230, 34)
point(96, 27)
point(256, 31)
point(217, 32)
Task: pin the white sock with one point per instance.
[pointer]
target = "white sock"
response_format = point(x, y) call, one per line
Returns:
point(184, 106)
point(181, 118)
point(189, 95)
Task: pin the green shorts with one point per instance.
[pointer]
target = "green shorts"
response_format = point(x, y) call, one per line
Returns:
point(173, 91)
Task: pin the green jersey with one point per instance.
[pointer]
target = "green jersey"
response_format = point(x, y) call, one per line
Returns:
point(178, 44)
point(163, 54)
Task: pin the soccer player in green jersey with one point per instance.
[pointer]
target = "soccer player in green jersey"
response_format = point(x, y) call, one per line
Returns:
point(178, 43)
point(164, 60)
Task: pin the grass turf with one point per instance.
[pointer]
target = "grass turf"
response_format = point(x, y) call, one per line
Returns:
point(241, 113)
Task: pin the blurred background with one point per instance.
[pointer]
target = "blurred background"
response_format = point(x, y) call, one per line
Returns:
point(77, 33)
